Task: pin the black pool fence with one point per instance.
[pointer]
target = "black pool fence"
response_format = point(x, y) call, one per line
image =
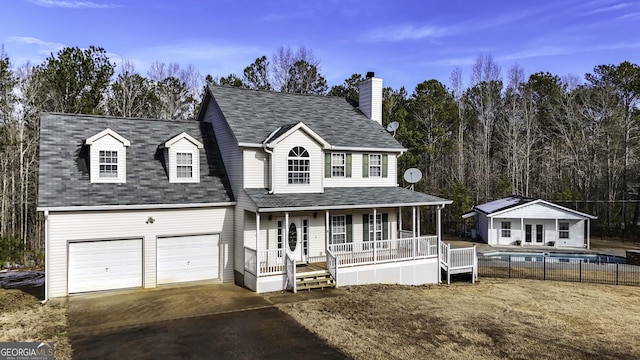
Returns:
point(558, 269)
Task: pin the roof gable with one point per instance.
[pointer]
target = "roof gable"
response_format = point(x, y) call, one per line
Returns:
point(185, 136)
point(107, 132)
point(252, 115)
point(282, 133)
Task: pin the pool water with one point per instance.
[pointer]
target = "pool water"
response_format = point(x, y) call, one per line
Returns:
point(555, 257)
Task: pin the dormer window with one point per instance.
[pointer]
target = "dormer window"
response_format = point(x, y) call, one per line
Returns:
point(107, 161)
point(182, 159)
point(299, 171)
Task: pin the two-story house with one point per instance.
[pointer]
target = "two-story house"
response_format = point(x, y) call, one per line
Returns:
point(262, 185)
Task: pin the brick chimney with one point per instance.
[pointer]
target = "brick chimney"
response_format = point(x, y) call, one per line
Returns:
point(371, 97)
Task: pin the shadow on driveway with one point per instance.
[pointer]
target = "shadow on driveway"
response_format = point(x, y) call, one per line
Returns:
point(211, 321)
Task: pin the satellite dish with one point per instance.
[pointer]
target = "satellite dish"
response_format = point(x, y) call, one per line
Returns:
point(392, 127)
point(412, 175)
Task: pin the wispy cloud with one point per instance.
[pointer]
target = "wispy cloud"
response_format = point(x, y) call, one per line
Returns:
point(43, 47)
point(405, 32)
point(607, 9)
point(73, 4)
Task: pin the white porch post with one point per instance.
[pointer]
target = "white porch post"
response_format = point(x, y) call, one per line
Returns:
point(557, 233)
point(419, 219)
point(257, 269)
point(326, 230)
point(438, 225)
point(438, 214)
point(491, 232)
point(588, 234)
point(375, 231)
point(522, 233)
point(413, 223)
point(399, 236)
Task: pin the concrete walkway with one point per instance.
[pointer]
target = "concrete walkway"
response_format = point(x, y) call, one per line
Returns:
point(203, 321)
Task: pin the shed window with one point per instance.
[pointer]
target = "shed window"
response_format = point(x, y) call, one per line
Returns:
point(563, 230)
point(506, 229)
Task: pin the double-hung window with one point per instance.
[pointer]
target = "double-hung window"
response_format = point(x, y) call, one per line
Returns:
point(563, 230)
point(505, 231)
point(184, 165)
point(338, 165)
point(108, 164)
point(299, 169)
point(375, 165)
point(338, 229)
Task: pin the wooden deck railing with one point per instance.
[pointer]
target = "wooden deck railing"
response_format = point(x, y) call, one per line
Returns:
point(332, 265)
point(290, 271)
point(381, 251)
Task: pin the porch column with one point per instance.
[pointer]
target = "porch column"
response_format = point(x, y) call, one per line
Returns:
point(522, 234)
point(413, 224)
point(286, 233)
point(399, 236)
point(327, 230)
point(419, 221)
point(490, 231)
point(375, 231)
point(438, 225)
point(257, 269)
point(588, 234)
point(557, 233)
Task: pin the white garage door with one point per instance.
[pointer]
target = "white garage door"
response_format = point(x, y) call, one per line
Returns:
point(105, 265)
point(188, 258)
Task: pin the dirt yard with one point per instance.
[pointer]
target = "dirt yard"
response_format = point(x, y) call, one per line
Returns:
point(24, 319)
point(493, 319)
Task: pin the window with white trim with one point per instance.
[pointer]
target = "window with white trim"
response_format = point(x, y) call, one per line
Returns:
point(184, 165)
point(375, 165)
point(338, 164)
point(338, 229)
point(107, 164)
point(375, 233)
point(563, 230)
point(280, 234)
point(505, 231)
point(299, 169)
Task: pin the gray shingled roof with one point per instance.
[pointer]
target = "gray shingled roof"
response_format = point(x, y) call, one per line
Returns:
point(254, 114)
point(343, 198)
point(64, 177)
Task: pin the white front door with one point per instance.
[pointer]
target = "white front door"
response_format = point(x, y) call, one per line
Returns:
point(298, 236)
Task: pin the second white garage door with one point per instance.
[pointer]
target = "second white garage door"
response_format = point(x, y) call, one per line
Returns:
point(188, 258)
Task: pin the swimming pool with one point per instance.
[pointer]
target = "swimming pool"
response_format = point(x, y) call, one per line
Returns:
point(554, 257)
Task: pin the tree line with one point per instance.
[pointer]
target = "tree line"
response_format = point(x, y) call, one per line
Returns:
point(569, 139)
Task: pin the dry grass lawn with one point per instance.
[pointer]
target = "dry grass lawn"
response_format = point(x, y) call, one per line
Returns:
point(493, 319)
point(24, 319)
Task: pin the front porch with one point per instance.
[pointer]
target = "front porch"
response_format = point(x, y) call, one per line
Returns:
point(409, 261)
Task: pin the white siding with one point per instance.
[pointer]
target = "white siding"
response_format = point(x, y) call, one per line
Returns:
point(539, 211)
point(357, 180)
point(107, 143)
point(316, 162)
point(256, 163)
point(112, 225)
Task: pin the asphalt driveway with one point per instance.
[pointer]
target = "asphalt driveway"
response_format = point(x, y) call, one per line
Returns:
point(209, 321)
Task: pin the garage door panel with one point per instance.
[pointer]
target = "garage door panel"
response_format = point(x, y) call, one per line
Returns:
point(105, 265)
point(188, 258)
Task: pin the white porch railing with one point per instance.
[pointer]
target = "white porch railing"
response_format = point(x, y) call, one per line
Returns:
point(290, 271)
point(264, 262)
point(250, 261)
point(461, 260)
point(332, 265)
point(381, 251)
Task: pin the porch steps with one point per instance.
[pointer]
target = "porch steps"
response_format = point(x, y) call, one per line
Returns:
point(320, 279)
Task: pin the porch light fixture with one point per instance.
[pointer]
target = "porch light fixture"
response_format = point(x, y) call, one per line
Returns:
point(315, 215)
point(270, 217)
point(150, 220)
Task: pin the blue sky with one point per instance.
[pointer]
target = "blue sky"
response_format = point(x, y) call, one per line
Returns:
point(404, 42)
